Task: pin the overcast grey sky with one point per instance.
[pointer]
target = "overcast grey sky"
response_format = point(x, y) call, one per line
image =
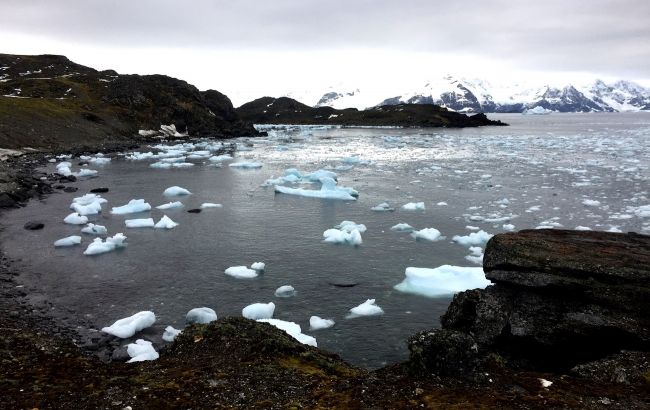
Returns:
point(302, 43)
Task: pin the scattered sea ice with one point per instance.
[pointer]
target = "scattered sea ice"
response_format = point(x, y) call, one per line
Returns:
point(442, 281)
point(317, 323)
point(75, 219)
point(402, 227)
point(257, 311)
point(241, 272)
point(285, 291)
point(473, 239)
point(414, 206)
point(590, 202)
point(246, 165)
point(129, 326)
point(176, 191)
point(201, 315)
point(165, 223)
point(98, 246)
point(68, 241)
point(427, 234)
point(328, 190)
point(220, 158)
point(258, 266)
point(93, 229)
point(292, 329)
point(170, 334)
point(367, 308)
point(139, 223)
point(134, 206)
point(170, 205)
point(383, 207)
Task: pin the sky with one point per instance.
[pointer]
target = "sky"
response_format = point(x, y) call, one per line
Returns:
point(251, 48)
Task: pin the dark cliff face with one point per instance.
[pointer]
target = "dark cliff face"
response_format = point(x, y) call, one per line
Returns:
point(268, 110)
point(49, 101)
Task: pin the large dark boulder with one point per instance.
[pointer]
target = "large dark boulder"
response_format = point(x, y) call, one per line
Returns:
point(444, 353)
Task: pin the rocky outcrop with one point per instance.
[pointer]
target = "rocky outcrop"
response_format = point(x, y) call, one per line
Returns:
point(284, 110)
point(560, 299)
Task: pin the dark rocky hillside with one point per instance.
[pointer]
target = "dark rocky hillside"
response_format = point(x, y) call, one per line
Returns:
point(49, 101)
point(269, 110)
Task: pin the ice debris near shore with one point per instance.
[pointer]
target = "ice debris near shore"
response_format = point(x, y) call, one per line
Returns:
point(427, 234)
point(258, 266)
point(170, 334)
point(220, 158)
point(68, 241)
point(317, 323)
point(383, 207)
point(176, 191)
point(165, 223)
point(139, 223)
point(444, 280)
point(292, 329)
point(89, 204)
point(170, 205)
point(414, 206)
point(285, 291)
point(367, 308)
point(75, 219)
point(257, 311)
point(479, 238)
point(98, 246)
point(93, 229)
point(347, 232)
point(85, 172)
point(141, 351)
point(201, 315)
point(63, 168)
point(134, 206)
point(476, 255)
point(328, 190)
point(129, 326)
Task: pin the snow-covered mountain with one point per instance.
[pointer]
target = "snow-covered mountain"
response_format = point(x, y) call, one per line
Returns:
point(475, 95)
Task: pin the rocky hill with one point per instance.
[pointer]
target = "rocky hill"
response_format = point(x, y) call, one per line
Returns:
point(284, 110)
point(48, 101)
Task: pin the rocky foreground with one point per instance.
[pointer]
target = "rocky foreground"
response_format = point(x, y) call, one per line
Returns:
point(565, 325)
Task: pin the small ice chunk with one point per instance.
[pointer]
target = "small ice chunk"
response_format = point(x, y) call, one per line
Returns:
point(476, 255)
point(220, 158)
point(441, 204)
point(170, 334)
point(402, 227)
point(127, 327)
point(367, 308)
point(75, 219)
point(98, 246)
point(545, 383)
point(590, 202)
point(258, 266)
point(241, 272)
point(201, 315)
point(508, 227)
point(85, 172)
point(292, 329)
point(414, 206)
point(285, 291)
point(68, 241)
point(134, 206)
point(582, 228)
point(89, 199)
point(207, 205)
point(176, 191)
point(165, 223)
point(246, 165)
point(442, 281)
point(473, 239)
point(170, 205)
point(341, 236)
point(141, 350)
point(383, 207)
point(427, 234)
point(93, 229)
point(90, 209)
point(139, 223)
point(259, 311)
point(328, 190)
point(317, 323)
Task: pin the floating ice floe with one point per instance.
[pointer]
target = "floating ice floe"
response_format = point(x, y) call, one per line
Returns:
point(582, 228)
point(160, 165)
point(441, 204)
point(176, 191)
point(508, 227)
point(139, 156)
point(292, 329)
point(402, 227)
point(91, 209)
point(99, 159)
point(317, 175)
point(93, 229)
point(328, 190)
point(414, 206)
point(134, 206)
point(241, 272)
point(258, 266)
point(201, 315)
point(98, 246)
point(427, 234)
point(347, 232)
point(68, 241)
point(170, 205)
point(476, 255)
point(85, 172)
point(444, 280)
point(383, 207)
point(285, 291)
point(63, 168)
point(317, 323)
point(170, 334)
point(165, 223)
point(139, 223)
point(140, 351)
point(75, 219)
point(207, 205)
point(129, 326)
point(220, 158)
point(257, 311)
point(590, 202)
point(367, 308)
point(89, 199)
point(479, 238)
point(246, 165)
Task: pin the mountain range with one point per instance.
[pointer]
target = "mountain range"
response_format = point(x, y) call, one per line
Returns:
point(474, 95)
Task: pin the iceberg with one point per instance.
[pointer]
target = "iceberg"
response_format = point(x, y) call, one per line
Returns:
point(201, 315)
point(367, 308)
point(258, 266)
point(93, 229)
point(63, 168)
point(165, 223)
point(160, 165)
point(341, 236)
point(383, 207)
point(68, 241)
point(427, 234)
point(129, 326)
point(75, 219)
point(317, 323)
point(220, 158)
point(170, 334)
point(98, 246)
point(139, 223)
point(89, 199)
point(176, 191)
point(170, 205)
point(539, 110)
point(402, 227)
point(292, 329)
point(134, 206)
point(257, 311)
point(414, 206)
point(285, 291)
point(90, 209)
point(444, 280)
point(241, 272)
point(328, 190)
point(141, 350)
point(246, 165)
point(479, 238)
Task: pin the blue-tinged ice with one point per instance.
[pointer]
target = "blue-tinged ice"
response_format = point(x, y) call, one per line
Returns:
point(129, 326)
point(444, 280)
